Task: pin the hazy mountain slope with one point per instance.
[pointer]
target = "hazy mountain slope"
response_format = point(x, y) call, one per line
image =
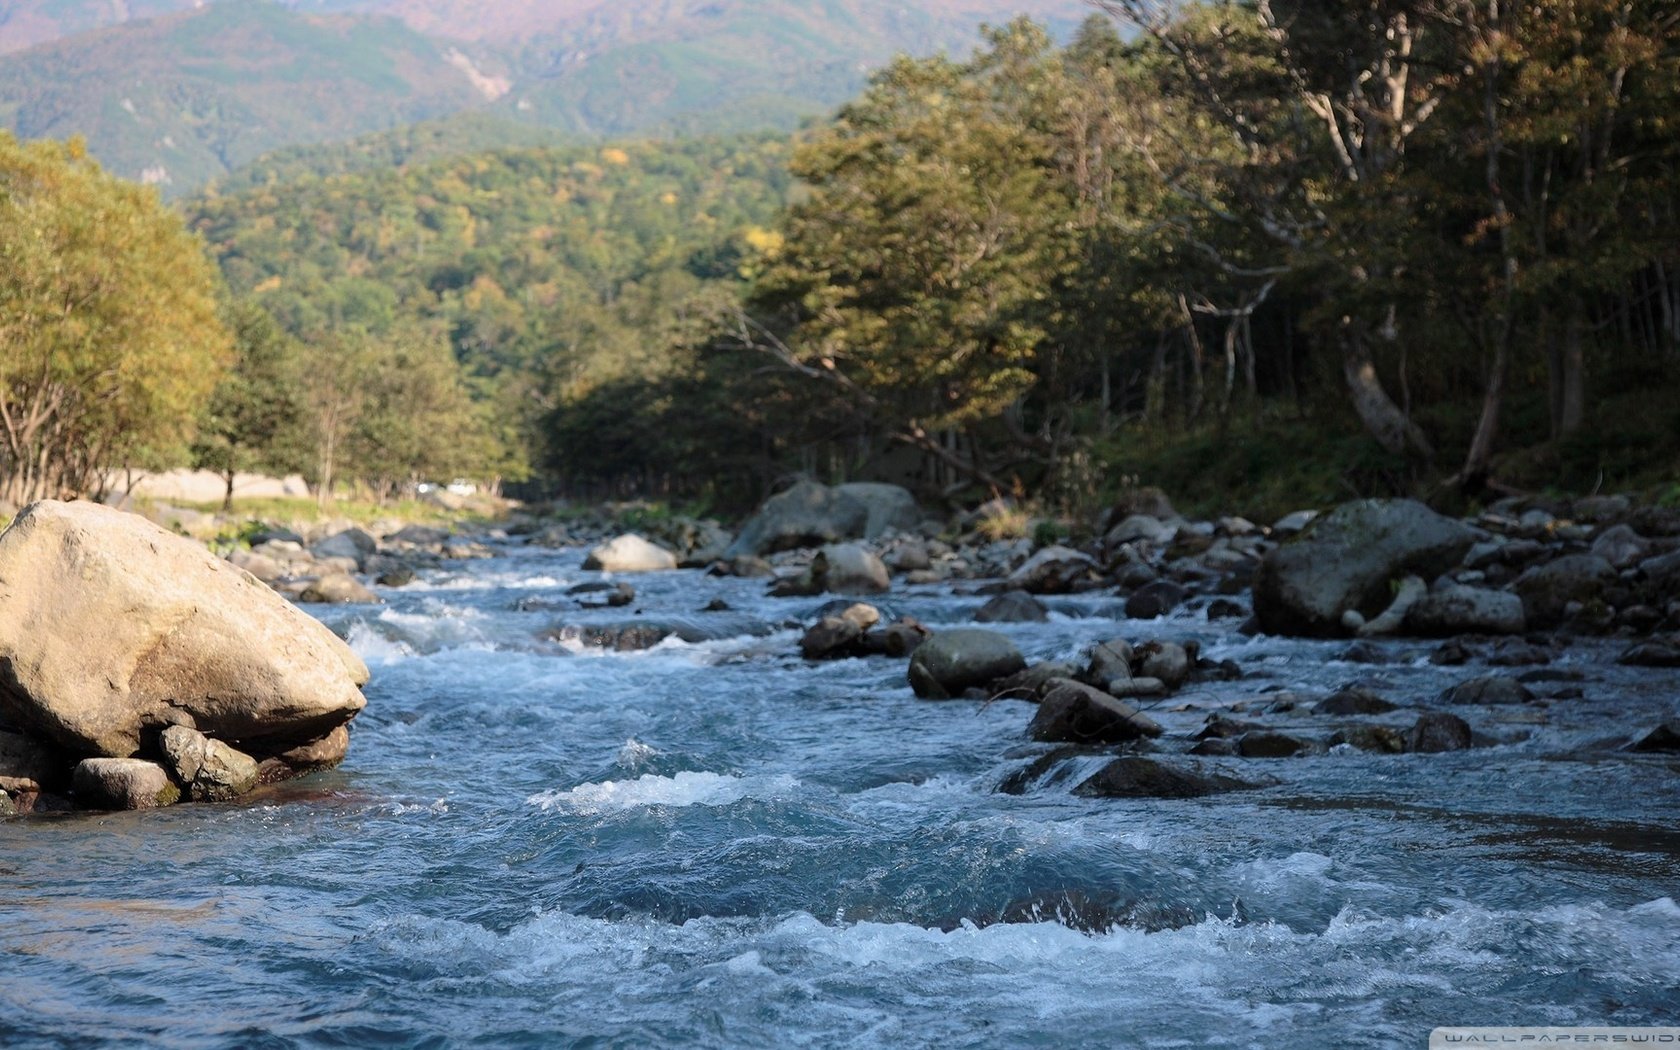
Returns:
point(187, 97)
point(180, 99)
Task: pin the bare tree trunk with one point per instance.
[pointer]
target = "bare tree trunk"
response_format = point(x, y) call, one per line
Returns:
point(1487, 426)
point(1572, 370)
point(1381, 416)
point(227, 496)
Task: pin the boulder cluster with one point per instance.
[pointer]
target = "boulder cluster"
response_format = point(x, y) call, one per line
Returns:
point(137, 669)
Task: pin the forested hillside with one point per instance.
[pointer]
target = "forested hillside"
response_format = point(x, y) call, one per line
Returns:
point(549, 271)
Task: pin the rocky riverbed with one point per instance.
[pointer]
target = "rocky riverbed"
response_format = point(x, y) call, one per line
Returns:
point(1017, 793)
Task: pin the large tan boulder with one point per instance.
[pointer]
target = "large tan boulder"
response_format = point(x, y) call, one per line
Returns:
point(112, 628)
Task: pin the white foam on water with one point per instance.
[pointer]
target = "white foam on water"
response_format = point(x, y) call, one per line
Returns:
point(635, 754)
point(680, 790)
point(375, 648)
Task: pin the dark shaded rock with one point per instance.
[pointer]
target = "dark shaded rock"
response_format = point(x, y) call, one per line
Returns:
point(1109, 660)
point(1346, 560)
point(1450, 654)
point(1136, 777)
point(806, 515)
point(1214, 747)
point(1548, 590)
point(1354, 701)
point(1519, 654)
point(952, 661)
point(1144, 500)
point(31, 766)
point(1153, 600)
point(1013, 607)
point(1218, 727)
point(1168, 662)
point(1268, 743)
point(1437, 731)
point(1488, 690)
point(400, 576)
point(1365, 653)
point(899, 638)
point(841, 635)
point(1665, 739)
point(1380, 739)
point(1029, 685)
point(1053, 570)
point(1466, 610)
point(886, 507)
point(1072, 712)
point(1651, 654)
point(1226, 609)
point(122, 783)
point(717, 605)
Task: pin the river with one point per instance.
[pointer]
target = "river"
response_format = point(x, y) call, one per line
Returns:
point(717, 844)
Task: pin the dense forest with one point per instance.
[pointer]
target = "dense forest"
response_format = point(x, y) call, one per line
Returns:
point(1256, 253)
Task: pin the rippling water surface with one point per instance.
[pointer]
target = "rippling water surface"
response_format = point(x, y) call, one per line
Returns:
point(716, 844)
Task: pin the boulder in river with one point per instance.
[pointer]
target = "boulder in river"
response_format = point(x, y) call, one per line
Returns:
point(111, 626)
point(1488, 690)
point(1547, 590)
point(337, 588)
point(1012, 607)
point(953, 661)
point(209, 770)
point(1133, 776)
point(1053, 570)
point(1437, 731)
point(1664, 739)
point(1154, 600)
point(123, 783)
point(1467, 610)
point(885, 507)
point(1072, 712)
point(630, 553)
point(846, 568)
point(806, 515)
point(1346, 561)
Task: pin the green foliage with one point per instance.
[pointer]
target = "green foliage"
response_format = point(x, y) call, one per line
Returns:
point(109, 338)
point(254, 421)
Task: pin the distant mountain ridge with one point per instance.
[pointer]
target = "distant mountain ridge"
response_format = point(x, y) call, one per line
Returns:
point(177, 92)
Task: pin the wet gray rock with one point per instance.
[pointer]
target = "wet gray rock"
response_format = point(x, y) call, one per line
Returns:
point(1072, 712)
point(1651, 654)
point(1053, 570)
point(1140, 528)
point(1621, 547)
point(1013, 607)
point(1136, 777)
point(965, 658)
point(846, 568)
point(1438, 731)
point(1346, 561)
point(806, 515)
point(1268, 743)
point(1109, 660)
point(1354, 701)
point(419, 536)
point(1489, 691)
point(1168, 662)
point(1153, 600)
point(208, 770)
point(1467, 610)
point(885, 507)
point(122, 783)
point(353, 544)
point(840, 635)
point(1031, 683)
point(1379, 739)
point(1548, 590)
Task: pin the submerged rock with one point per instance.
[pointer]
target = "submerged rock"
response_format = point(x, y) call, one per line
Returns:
point(1072, 712)
point(1013, 607)
point(1665, 739)
point(1135, 777)
point(1437, 731)
point(111, 626)
point(1491, 690)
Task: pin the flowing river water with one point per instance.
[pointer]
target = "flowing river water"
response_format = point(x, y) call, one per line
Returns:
point(718, 844)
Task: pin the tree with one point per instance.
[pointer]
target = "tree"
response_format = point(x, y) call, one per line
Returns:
point(254, 420)
point(109, 337)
